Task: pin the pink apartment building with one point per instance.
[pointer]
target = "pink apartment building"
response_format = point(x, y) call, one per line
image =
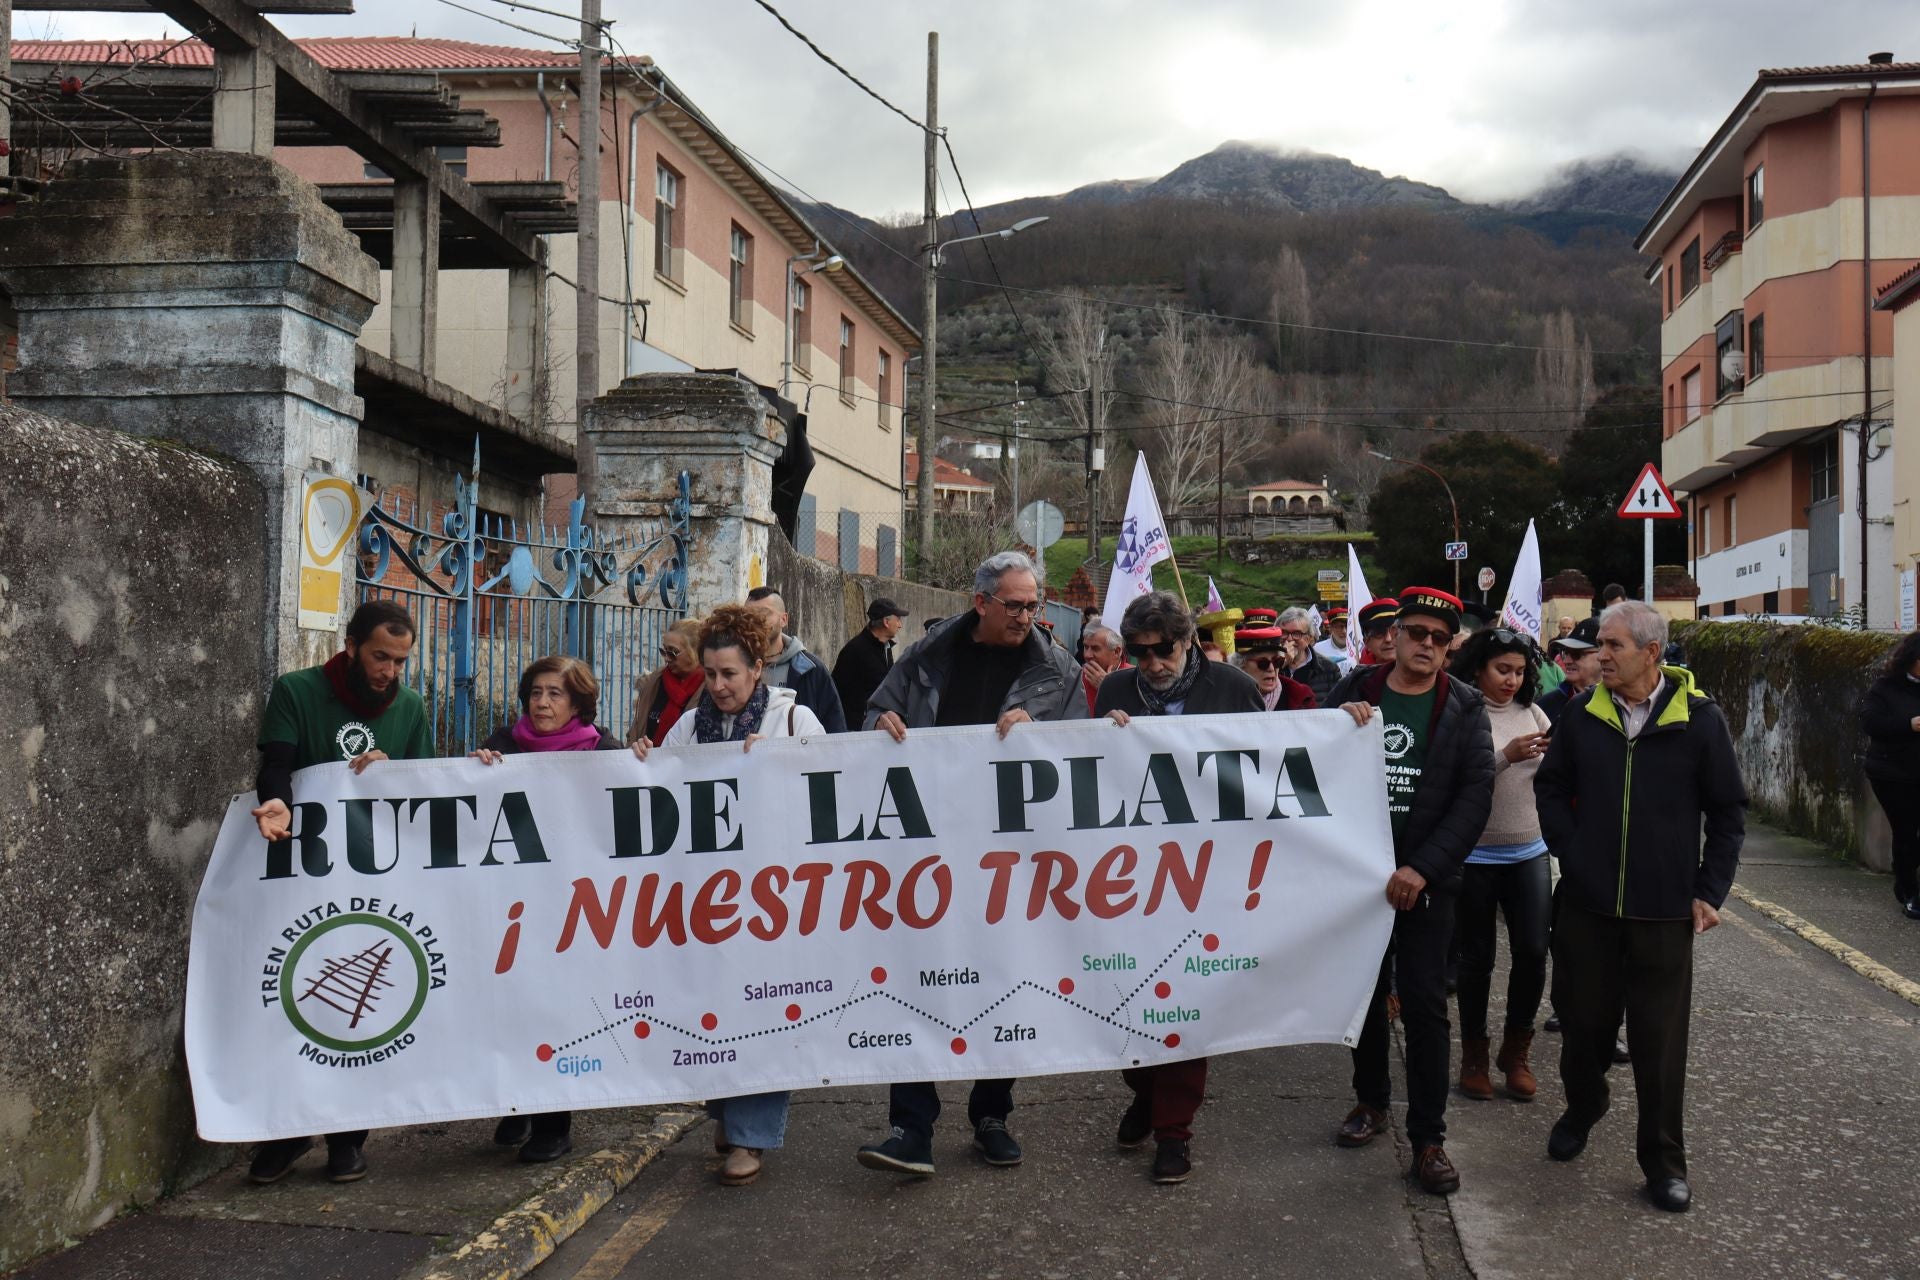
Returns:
point(704, 262)
point(1768, 254)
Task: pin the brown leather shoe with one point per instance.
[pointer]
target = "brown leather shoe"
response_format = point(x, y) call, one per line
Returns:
point(1436, 1173)
point(741, 1167)
point(1515, 1046)
point(1474, 1081)
point(1361, 1126)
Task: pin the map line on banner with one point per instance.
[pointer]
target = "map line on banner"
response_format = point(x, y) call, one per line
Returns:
point(645, 1022)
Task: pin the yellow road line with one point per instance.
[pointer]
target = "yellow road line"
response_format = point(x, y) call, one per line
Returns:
point(611, 1258)
point(1858, 961)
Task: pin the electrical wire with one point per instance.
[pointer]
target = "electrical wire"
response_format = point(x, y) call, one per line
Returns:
point(821, 54)
point(987, 245)
point(494, 17)
point(603, 24)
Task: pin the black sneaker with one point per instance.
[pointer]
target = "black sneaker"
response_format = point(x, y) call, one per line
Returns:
point(1553, 1023)
point(345, 1162)
point(272, 1161)
point(900, 1153)
point(992, 1141)
point(542, 1147)
point(1136, 1126)
point(512, 1131)
point(1567, 1140)
point(1912, 909)
point(1170, 1162)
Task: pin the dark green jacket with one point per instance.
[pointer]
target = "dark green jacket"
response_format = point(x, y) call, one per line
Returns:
point(1624, 817)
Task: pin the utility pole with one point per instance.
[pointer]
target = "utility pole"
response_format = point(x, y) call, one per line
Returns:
point(929, 308)
point(1096, 450)
point(587, 264)
point(6, 69)
point(1017, 424)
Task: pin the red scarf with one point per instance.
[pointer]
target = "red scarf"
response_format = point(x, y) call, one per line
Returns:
point(571, 736)
point(680, 691)
point(339, 673)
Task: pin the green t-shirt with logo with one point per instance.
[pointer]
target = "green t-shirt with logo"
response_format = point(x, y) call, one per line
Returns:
point(1408, 718)
point(303, 710)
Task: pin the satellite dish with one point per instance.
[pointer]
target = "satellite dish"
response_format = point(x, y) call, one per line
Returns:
point(1040, 524)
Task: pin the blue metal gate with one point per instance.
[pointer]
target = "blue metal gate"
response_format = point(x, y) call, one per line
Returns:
point(489, 597)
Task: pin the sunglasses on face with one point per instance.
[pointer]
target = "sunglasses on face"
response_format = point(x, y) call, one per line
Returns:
point(668, 652)
point(1164, 649)
point(1263, 663)
point(1426, 635)
point(1017, 606)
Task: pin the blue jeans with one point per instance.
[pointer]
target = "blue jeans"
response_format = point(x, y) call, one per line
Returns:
point(757, 1120)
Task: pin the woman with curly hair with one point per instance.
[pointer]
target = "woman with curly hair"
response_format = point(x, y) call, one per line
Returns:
point(1890, 714)
point(740, 707)
point(1507, 872)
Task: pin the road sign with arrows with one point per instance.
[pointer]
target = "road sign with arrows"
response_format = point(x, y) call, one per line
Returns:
point(1650, 499)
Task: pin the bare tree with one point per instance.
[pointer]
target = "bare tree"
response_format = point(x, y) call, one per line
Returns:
point(1206, 405)
point(1068, 348)
point(1358, 470)
point(1289, 306)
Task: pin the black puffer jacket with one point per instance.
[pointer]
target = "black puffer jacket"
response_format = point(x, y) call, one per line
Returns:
point(1624, 816)
point(1886, 713)
point(1455, 795)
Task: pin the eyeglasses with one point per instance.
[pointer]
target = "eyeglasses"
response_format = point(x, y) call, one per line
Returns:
point(1297, 633)
point(1164, 649)
point(1017, 606)
point(1426, 635)
point(1263, 663)
point(668, 652)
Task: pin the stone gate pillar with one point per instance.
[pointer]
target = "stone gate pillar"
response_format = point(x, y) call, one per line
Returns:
point(717, 426)
point(208, 298)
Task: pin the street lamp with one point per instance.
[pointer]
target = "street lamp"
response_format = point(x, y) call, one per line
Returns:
point(1450, 502)
point(832, 265)
point(929, 342)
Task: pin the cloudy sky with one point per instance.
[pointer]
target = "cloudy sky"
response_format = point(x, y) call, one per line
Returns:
point(1483, 97)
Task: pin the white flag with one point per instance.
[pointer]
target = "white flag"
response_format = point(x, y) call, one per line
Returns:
point(1313, 616)
point(1143, 544)
point(1214, 603)
point(1525, 604)
point(1358, 598)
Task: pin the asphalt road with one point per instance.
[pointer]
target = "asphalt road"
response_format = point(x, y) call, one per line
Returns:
point(1803, 1125)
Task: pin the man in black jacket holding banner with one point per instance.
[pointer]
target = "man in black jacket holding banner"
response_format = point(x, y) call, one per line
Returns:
point(1636, 764)
point(1439, 749)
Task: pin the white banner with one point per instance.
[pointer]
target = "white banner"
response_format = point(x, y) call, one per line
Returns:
point(1143, 544)
point(1358, 598)
point(1526, 605)
point(445, 940)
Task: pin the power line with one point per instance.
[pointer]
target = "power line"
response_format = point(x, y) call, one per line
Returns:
point(494, 17)
point(603, 24)
point(1481, 411)
point(821, 54)
point(984, 244)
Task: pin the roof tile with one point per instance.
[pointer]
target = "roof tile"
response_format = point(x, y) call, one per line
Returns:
point(337, 53)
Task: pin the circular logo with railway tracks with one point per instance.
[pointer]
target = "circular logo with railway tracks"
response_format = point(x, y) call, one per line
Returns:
point(354, 981)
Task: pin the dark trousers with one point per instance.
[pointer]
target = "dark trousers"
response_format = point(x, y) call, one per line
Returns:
point(1419, 946)
point(1901, 800)
point(1520, 892)
point(1601, 966)
point(915, 1106)
point(1172, 1092)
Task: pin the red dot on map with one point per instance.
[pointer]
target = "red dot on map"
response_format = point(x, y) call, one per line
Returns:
point(708, 1021)
point(1211, 942)
point(544, 1053)
point(641, 1031)
point(1173, 1040)
point(879, 974)
point(959, 1045)
point(1066, 986)
point(1162, 990)
point(793, 1013)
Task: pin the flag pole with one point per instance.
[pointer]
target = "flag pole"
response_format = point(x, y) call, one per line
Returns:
point(1174, 559)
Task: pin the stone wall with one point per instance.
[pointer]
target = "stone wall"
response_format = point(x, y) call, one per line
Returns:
point(1792, 700)
point(828, 604)
point(132, 600)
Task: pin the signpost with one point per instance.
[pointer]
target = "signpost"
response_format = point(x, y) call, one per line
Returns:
point(1332, 585)
point(1040, 524)
point(1456, 551)
point(1486, 581)
point(1649, 500)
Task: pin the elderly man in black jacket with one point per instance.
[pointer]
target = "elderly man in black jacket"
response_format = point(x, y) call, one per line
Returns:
point(1636, 763)
point(990, 665)
point(1170, 677)
point(1439, 749)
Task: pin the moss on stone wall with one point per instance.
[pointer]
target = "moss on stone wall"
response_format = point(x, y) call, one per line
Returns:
point(1791, 696)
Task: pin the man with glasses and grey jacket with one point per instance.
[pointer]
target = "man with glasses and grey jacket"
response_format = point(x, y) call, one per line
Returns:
point(990, 665)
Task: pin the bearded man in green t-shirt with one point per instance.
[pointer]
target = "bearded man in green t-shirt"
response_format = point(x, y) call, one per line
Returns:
point(355, 709)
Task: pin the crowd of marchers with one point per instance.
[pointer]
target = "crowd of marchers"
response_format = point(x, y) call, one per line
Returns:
point(1587, 794)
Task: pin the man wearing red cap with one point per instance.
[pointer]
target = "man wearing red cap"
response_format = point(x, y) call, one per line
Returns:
point(1376, 630)
point(1334, 647)
point(1439, 749)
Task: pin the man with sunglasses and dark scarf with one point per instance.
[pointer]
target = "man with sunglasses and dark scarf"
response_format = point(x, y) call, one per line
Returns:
point(1169, 677)
point(1439, 758)
point(353, 709)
